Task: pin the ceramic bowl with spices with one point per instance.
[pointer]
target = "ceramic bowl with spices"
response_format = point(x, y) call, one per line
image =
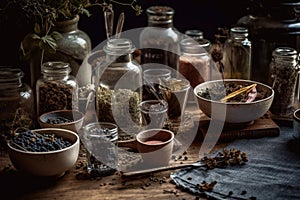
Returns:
point(234, 100)
point(48, 152)
point(66, 119)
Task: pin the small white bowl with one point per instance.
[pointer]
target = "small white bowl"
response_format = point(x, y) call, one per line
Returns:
point(51, 163)
point(75, 125)
point(234, 112)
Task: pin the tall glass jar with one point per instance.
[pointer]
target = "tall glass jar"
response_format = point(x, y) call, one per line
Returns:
point(56, 89)
point(237, 54)
point(119, 87)
point(284, 69)
point(16, 103)
point(159, 41)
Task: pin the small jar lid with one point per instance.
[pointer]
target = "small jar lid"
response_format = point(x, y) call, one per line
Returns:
point(160, 14)
point(239, 32)
point(189, 45)
point(284, 52)
point(56, 67)
point(195, 34)
point(119, 46)
point(10, 77)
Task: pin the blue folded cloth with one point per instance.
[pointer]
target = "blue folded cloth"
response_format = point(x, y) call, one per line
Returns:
point(272, 172)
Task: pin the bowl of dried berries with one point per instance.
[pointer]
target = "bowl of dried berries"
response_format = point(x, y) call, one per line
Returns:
point(234, 100)
point(48, 152)
point(66, 119)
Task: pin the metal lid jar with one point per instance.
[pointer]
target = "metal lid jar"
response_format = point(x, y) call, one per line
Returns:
point(119, 86)
point(56, 89)
point(284, 69)
point(16, 103)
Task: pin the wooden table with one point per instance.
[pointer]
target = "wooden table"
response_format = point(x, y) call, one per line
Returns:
point(75, 184)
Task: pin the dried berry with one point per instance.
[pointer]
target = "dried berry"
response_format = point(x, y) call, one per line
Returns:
point(34, 142)
point(225, 158)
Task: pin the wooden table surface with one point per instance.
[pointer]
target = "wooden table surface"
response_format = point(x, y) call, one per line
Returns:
point(76, 184)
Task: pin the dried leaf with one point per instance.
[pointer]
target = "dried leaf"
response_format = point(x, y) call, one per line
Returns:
point(37, 28)
point(56, 35)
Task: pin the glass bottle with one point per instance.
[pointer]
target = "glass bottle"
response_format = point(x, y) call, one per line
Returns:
point(16, 103)
point(159, 41)
point(56, 89)
point(237, 54)
point(284, 69)
point(119, 87)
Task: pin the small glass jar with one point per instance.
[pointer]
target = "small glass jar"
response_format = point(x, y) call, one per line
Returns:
point(101, 143)
point(237, 54)
point(194, 62)
point(16, 103)
point(152, 79)
point(284, 69)
point(56, 89)
point(119, 86)
point(160, 41)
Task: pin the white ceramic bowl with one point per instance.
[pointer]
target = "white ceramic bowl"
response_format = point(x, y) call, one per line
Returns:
point(75, 125)
point(51, 163)
point(234, 112)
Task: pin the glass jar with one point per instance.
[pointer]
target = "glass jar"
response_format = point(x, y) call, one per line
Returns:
point(16, 103)
point(119, 86)
point(56, 89)
point(194, 62)
point(284, 69)
point(152, 80)
point(160, 41)
point(237, 54)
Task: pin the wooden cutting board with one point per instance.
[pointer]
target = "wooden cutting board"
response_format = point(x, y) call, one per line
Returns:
point(262, 127)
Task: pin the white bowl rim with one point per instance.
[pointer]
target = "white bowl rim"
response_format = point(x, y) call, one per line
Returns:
point(48, 152)
point(234, 103)
point(62, 124)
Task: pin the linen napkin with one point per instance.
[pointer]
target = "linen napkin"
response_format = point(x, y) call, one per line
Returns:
point(272, 172)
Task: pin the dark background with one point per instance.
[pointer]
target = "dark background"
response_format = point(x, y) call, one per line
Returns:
point(189, 14)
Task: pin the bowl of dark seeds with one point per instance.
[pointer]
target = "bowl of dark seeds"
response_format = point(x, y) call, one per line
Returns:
point(234, 101)
point(48, 152)
point(65, 119)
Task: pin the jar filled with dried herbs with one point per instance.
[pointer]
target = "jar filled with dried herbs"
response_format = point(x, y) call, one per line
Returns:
point(56, 89)
point(119, 86)
point(160, 41)
point(16, 103)
point(237, 54)
point(284, 69)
